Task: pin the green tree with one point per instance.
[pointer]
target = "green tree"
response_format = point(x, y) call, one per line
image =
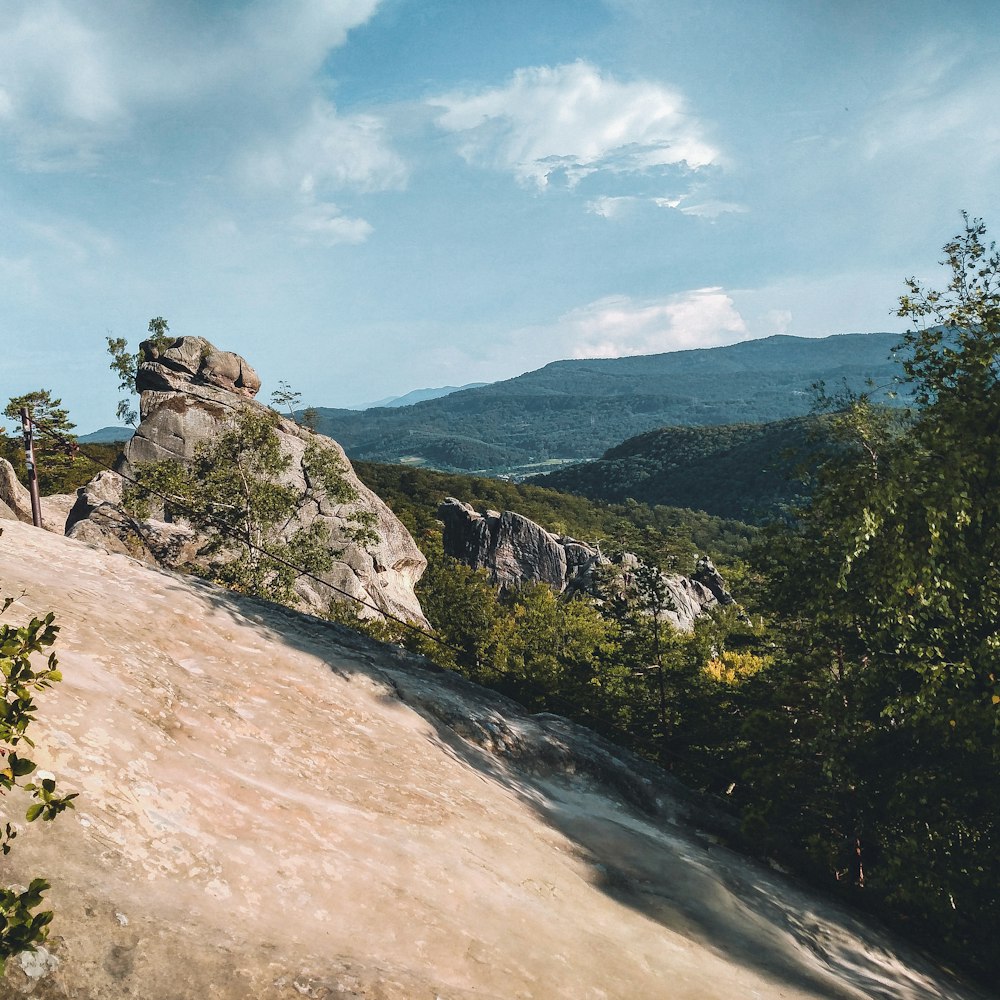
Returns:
point(236, 490)
point(53, 430)
point(125, 364)
point(284, 397)
point(464, 610)
point(882, 730)
point(23, 924)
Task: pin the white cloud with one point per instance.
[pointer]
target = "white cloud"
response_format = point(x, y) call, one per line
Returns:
point(329, 150)
point(324, 223)
point(711, 208)
point(613, 207)
point(74, 78)
point(619, 206)
point(619, 326)
point(572, 121)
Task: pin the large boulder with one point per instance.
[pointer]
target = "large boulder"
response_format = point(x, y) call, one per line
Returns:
point(13, 496)
point(189, 391)
point(15, 502)
point(514, 550)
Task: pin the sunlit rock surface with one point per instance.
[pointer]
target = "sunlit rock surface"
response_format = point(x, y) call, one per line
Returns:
point(273, 807)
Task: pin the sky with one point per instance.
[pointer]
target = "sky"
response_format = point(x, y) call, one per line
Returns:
point(364, 197)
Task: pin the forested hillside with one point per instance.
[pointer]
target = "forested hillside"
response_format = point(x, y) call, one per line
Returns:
point(667, 534)
point(578, 409)
point(744, 471)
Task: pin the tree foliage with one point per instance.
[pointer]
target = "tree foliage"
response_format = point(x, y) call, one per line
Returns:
point(882, 732)
point(238, 491)
point(125, 364)
point(23, 924)
point(53, 429)
point(284, 397)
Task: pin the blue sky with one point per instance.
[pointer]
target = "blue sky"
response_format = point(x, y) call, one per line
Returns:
point(367, 197)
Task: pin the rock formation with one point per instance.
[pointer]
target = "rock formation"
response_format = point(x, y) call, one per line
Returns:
point(515, 550)
point(188, 391)
point(708, 576)
point(13, 494)
point(273, 807)
point(15, 501)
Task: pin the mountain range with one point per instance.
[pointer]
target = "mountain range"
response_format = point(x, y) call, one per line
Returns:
point(417, 396)
point(575, 410)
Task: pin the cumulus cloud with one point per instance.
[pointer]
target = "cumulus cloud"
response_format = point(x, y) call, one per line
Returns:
point(571, 121)
point(325, 224)
point(618, 326)
point(75, 77)
point(329, 150)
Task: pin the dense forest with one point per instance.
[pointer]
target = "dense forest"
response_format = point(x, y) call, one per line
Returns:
point(745, 471)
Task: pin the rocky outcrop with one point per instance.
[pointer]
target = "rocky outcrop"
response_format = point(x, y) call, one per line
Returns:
point(188, 392)
point(514, 550)
point(708, 576)
point(15, 502)
point(13, 495)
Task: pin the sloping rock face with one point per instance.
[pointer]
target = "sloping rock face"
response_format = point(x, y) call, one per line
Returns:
point(272, 807)
point(187, 393)
point(515, 550)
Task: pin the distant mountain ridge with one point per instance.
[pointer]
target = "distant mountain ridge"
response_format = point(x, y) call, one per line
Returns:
point(107, 435)
point(418, 396)
point(575, 410)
